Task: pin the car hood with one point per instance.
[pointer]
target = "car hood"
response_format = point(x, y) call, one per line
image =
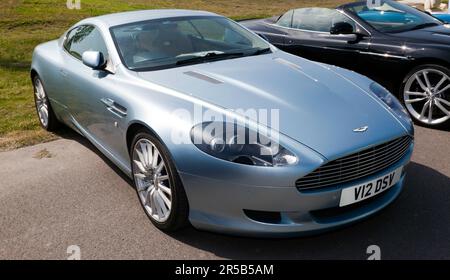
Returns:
point(318, 107)
point(435, 34)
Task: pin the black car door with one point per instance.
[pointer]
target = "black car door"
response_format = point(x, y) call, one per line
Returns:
point(277, 31)
point(385, 60)
point(310, 37)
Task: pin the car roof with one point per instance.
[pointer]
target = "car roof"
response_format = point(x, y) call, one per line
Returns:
point(142, 15)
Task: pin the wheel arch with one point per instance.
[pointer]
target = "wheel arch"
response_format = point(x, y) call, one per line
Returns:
point(33, 73)
point(404, 75)
point(136, 126)
point(425, 61)
point(132, 130)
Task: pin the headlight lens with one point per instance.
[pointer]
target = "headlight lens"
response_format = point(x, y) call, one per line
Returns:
point(389, 99)
point(238, 144)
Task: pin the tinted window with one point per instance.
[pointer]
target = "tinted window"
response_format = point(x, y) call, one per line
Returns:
point(286, 19)
point(85, 38)
point(318, 19)
point(165, 42)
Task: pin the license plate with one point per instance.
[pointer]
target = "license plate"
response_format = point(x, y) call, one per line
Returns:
point(369, 189)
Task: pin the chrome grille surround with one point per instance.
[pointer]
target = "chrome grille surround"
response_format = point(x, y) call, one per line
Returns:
point(357, 165)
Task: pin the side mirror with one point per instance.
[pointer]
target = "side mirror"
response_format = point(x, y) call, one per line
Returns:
point(341, 28)
point(94, 60)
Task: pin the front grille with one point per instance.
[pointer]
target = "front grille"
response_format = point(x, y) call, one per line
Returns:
point(356, 166)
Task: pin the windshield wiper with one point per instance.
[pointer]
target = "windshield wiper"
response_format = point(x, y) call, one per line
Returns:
point(261, 51)
point(209, 56)
point(424, 25)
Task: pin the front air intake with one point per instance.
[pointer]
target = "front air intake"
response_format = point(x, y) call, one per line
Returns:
point(356, 166)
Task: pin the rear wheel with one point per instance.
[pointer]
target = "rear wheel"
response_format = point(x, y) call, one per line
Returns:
point(44, 110)
point(157, 183)
point(426, 95)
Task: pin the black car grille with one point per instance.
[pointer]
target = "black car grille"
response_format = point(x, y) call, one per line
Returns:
point(356, 166)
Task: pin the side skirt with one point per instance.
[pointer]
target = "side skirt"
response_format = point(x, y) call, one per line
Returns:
point(123, 166)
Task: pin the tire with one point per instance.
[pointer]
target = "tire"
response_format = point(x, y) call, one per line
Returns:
point(422, 87)
point(154, 199)
point(44, 110)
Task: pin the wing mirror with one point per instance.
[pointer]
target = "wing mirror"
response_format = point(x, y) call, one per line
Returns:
point(341, 28)
point(345, 29)
point(94, 60)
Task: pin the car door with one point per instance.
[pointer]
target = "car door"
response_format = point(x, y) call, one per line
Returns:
point(91, 96)
point(276, 33)
point(384, 60)
point(386, 57)
point(310, 37)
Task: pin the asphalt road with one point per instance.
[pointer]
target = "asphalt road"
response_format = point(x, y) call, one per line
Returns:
point(64, 193)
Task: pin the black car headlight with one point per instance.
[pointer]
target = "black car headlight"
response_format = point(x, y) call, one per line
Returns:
point(390, 100)
point(239, 144)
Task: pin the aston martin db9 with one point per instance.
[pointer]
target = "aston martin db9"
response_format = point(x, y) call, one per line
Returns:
point(220, 129)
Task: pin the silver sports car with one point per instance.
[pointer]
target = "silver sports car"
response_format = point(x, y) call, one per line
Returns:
point(222, 130)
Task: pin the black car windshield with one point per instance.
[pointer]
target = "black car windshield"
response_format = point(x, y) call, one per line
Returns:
point(164, 43)
point(391, 17)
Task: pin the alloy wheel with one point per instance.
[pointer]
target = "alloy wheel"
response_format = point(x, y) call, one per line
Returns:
point(426, 96)
point(152, 180)
point(41, 102)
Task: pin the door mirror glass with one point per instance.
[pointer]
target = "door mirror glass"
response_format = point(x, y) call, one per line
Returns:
point(341, 28)
point(94, 60)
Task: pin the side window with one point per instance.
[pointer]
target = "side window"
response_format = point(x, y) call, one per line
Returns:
point(69, 38)
point(85, 38)
point(318, 19)
point(339, 17)
point(286, 19)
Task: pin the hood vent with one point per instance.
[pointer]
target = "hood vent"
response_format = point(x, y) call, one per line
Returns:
point(203, 77)
point(295, 67)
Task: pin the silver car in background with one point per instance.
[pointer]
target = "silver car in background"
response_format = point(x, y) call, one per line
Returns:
point(219, 128)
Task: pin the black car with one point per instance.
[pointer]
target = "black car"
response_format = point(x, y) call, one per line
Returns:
point(404, 49)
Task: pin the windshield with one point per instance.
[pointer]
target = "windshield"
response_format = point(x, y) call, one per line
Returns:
point(390, 16)
point(172, 42)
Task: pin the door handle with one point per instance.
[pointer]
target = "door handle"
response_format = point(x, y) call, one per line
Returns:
point(114, 107)
point(108, 102)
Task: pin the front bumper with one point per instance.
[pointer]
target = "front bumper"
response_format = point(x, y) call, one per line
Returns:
point(218, 205)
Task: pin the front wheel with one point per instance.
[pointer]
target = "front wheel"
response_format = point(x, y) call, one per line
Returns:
point(426, 95)
point(157, 183)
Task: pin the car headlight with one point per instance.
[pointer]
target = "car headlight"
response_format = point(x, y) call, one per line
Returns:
point(390, 100)
point(238, 144)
